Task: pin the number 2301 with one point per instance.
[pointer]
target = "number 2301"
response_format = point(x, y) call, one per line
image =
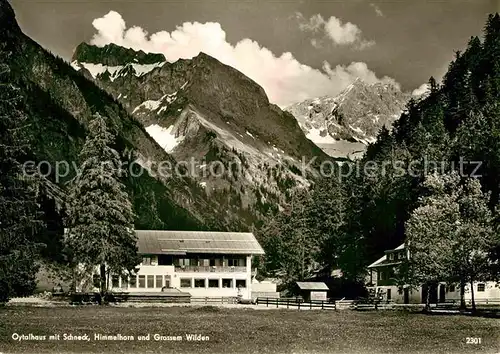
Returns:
point(472, 340)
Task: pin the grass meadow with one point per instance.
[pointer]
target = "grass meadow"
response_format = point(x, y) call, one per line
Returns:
point(244, 331)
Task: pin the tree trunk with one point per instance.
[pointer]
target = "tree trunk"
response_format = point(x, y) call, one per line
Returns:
point(428, 298)
point(103, 281)
point(74, 279)
point(472, 294)
point(463, 306)
point(302, 264)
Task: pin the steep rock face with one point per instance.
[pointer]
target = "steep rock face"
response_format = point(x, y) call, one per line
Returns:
point(345, 124)
point(7, 16)
point(59, 103)
point(114, 55)
point(208, 113)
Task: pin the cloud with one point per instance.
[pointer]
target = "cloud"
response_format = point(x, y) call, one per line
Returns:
point(316, 44)
point(334, 30)
point(377, 9)
point(357, 70)
point(314, 24)
point(421, 90)
point(283, 77)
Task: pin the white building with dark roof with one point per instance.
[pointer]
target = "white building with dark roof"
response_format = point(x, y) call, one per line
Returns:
point(382, 279)
point(203, 264)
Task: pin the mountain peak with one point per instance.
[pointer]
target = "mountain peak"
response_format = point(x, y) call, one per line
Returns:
point(114, 55)
point(354, 116)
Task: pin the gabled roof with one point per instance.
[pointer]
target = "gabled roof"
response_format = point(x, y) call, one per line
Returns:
point(383, 260)
point(182, 242)
point(309, 285)
point(378, 261)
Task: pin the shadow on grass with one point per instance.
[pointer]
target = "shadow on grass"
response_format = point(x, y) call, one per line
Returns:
point(206, 309)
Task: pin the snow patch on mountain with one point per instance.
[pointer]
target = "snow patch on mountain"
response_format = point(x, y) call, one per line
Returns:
point(320, 136)
point(250, 134)
point(116, 71)
point(149, 105)
point(159, 106)
point(164, 136)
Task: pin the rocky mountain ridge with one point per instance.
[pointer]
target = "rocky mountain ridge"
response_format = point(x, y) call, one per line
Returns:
point(347, 123)
point(203, 111)
point(59, 102)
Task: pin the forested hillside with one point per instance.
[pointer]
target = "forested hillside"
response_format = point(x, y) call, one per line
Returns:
point(455, 127)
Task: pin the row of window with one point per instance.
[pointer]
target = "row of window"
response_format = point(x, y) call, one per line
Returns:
point(212, 262)
point(160, 281)
point(396, 256)
point(385, 275)
point(139, 281)
point(212, 283)
point(481, 287)
point(451, 288)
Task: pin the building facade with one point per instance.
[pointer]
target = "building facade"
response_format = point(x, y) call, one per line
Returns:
point(382, 280)
point(313, 291)
point(203, 264)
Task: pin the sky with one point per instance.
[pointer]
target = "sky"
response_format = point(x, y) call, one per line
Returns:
point(294, 49)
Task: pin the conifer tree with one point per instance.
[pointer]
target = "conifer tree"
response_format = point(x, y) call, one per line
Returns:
point(100, 216)
point(19, 212)
point(290, 241)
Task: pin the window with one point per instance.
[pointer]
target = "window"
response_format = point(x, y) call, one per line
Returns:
point(115, 281)
point(159, 281)
point(451, 288)
point(481, 287)
point(151, 281)
point(241, 283)
point(142, 281)
point(184, 262)
point(124, 282)
point(212, 262)
point(391, 256)
point(227, 283)
point(213, 283)
point(133, 281)
point(199, 283)
point(389, 294)
point(236, 262)
point(205, 262)
point(167, 281)
point(146, 261)
point(185, 282)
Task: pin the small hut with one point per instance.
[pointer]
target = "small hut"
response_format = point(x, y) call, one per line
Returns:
point(313, 290)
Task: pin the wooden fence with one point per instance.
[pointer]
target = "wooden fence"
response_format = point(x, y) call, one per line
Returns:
point(480, 303)
point(296, 303)
point(299, 303)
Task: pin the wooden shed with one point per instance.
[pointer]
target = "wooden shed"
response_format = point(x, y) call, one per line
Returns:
point(313, 290)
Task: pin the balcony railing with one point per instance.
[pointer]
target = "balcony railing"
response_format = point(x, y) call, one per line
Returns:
point(210, 269)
